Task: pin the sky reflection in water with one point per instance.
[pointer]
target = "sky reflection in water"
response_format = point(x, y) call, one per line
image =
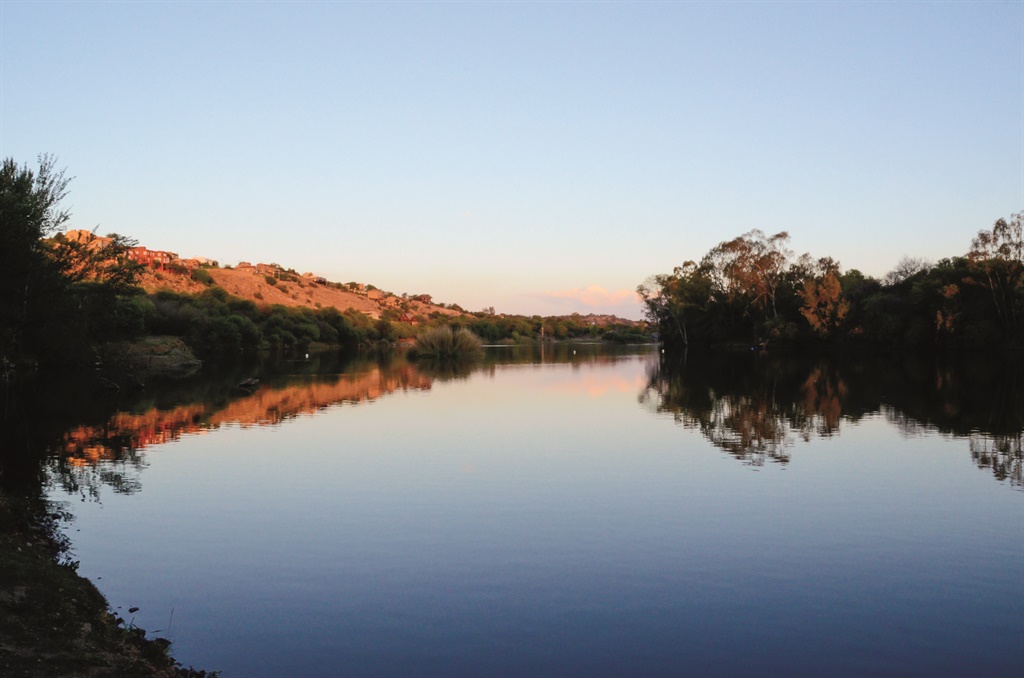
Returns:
point(591, 514)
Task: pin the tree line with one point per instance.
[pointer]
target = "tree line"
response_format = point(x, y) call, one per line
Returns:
point(752, 291)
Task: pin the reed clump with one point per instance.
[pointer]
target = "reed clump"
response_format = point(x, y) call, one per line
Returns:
point(441, 343)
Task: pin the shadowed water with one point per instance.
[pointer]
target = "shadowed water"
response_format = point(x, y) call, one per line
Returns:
point(566, 510)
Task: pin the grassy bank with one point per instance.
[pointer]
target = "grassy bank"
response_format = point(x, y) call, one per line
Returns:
point(56, 623)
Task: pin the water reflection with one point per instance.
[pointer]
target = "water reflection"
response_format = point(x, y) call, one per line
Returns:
point(504, 522)
point(1002, 454)
point(755, 407)
point(109, 450)
point(111, 453)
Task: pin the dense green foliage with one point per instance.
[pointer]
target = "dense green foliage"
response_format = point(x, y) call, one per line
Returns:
point(494, 329)
point(751, 291)
point(216, 321)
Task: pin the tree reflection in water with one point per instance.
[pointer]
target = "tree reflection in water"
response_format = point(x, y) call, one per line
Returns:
point(750, 429)
point(112, 453)
point(91, 459)
point(756, 406)
point(1002, 454)
point(74, 435)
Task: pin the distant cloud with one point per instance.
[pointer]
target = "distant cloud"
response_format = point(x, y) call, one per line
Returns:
point(593, 296)
point(594, 299)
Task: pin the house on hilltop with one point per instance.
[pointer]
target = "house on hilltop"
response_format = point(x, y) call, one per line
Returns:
point(157, 259)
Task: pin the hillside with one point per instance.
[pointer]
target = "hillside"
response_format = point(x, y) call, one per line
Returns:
point(289, 289)
point(268, 284)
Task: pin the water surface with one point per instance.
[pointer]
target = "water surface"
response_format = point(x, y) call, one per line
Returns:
point(566, 511)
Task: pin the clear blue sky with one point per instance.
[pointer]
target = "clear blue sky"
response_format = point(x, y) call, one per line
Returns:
point(521, 154)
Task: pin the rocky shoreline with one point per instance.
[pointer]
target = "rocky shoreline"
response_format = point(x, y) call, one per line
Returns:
point(53, 622)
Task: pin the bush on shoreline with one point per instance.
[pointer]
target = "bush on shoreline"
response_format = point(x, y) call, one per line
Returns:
point(444, 344)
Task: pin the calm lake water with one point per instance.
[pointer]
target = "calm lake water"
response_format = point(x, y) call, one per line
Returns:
point(566, 511)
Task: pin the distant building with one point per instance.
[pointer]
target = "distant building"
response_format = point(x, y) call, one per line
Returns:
point(157, 259)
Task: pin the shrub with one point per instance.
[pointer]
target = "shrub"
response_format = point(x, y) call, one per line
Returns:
point(176, 268)
point(203, 276)
point(442, 343)
point(271, 280)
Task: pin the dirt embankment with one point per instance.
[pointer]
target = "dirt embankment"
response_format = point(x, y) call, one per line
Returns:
point(54, 623)
point(290, 290)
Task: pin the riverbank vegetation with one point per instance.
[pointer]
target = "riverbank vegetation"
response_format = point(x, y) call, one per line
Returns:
point(513, 329)
point(751, 291)
point(65, 300)
point(441, 343)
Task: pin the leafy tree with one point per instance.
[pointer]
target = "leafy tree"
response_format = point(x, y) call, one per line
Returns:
point(824, 307)
point(671, 300)
point(750, 268)
point(997, 263)
point(29, 211)
point(384, 329)
point(905, 269)
point(486, 330)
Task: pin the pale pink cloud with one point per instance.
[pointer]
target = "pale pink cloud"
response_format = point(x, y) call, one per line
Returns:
point(593, 296)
